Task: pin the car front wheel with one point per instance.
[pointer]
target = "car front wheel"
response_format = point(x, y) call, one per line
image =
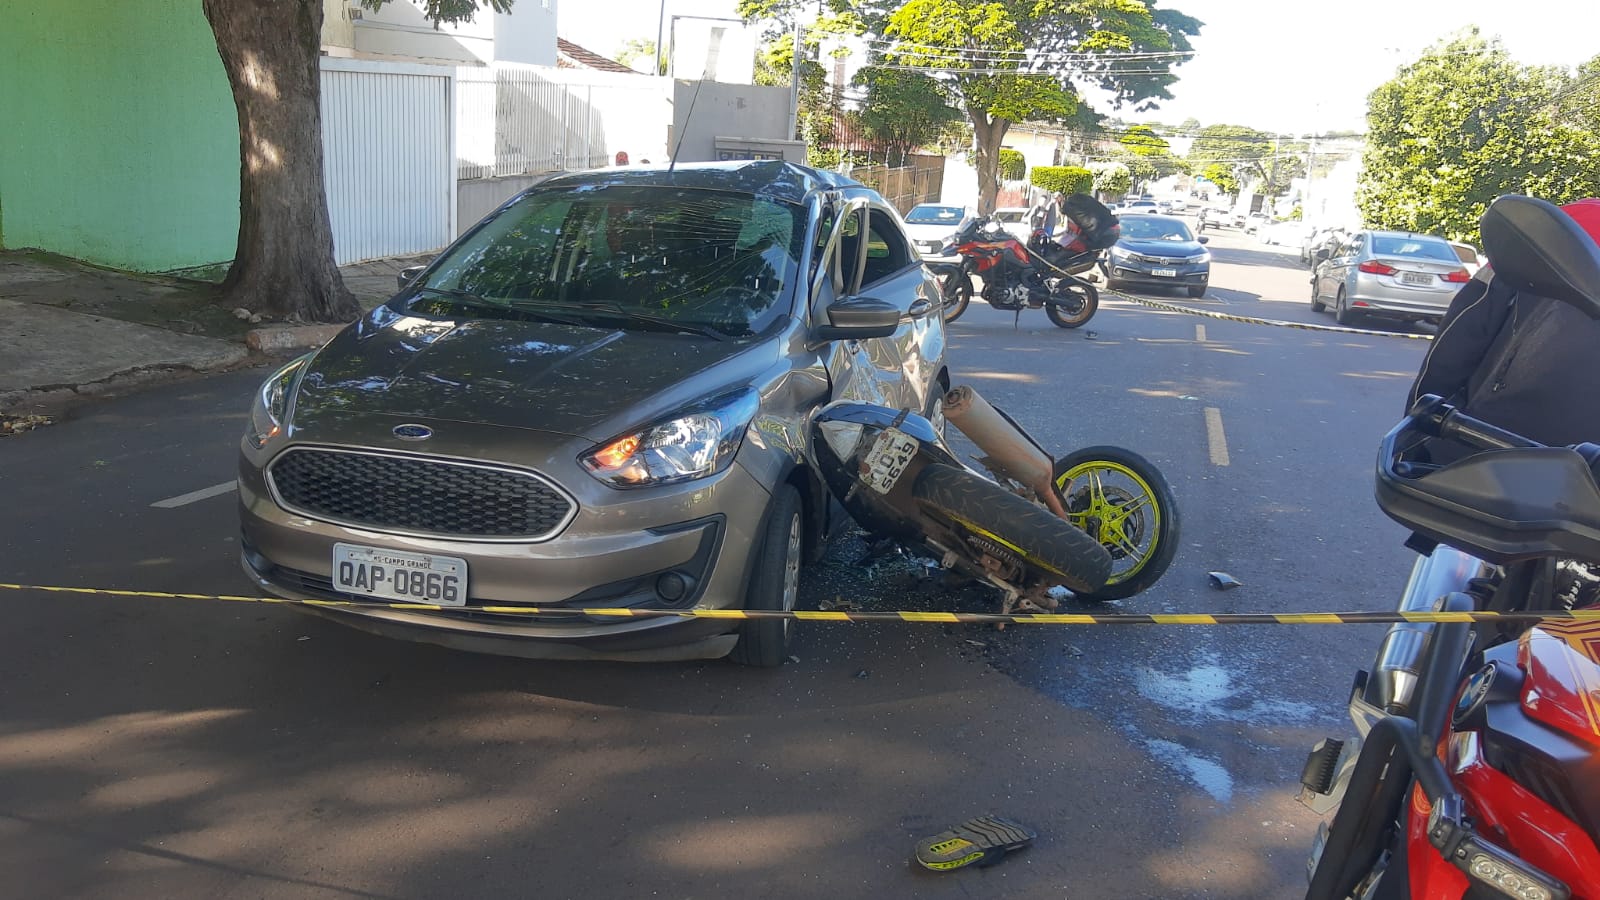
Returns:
point(774, 583)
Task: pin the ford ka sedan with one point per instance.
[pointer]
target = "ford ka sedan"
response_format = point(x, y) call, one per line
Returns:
point(597, 397)
point(1389, 274)
point(1159, 251)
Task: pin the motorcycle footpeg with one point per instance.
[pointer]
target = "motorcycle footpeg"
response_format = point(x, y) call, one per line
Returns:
point(1322, 764)
point(980, 842)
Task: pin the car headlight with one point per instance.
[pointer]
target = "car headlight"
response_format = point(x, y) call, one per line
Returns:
point(1120, 253)
point(271, 406)
point(1204, 256)
point(695, 443)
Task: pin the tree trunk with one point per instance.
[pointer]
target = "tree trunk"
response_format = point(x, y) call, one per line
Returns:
point(988, 133)
point(283, 266)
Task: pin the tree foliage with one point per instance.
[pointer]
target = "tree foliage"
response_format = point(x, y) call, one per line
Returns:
point(1147, 155)
point(1004, 61)
point(1062, 179)
point(1221, 175)
point(1013, 165)
point(641, 51)
point(1466, 123)
point(1111, 179)
point(902, 111)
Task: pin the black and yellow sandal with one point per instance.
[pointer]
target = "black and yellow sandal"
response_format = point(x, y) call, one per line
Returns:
point(980, 842)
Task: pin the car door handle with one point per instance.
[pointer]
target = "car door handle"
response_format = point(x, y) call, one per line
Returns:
point(920, 308)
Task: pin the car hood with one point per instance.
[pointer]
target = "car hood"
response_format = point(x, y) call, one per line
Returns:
point(1166, 249)
point(591, 382)
point(935, 232)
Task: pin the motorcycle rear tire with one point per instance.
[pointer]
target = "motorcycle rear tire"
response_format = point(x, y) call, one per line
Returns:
point(957, 291)
point(1091, 303)
point(1160, 524)
point(985, 509)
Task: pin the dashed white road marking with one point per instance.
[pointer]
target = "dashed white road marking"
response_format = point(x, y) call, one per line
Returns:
point(216, 490)
point(1216, 438)
point(1199, 333)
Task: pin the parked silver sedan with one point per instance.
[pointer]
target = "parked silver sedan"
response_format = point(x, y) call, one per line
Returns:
point(1391, 274)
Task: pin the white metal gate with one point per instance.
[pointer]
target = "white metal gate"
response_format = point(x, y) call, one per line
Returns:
point(388, 157)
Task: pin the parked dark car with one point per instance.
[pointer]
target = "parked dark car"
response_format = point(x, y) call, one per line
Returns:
point(597, 397)
point(1159, 251)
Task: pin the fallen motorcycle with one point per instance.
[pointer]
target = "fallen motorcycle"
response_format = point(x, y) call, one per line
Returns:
point(1475, 770)
point(1100, 522)
point(1039, 273)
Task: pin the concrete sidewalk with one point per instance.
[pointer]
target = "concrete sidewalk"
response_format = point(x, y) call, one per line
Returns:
point(74, 332)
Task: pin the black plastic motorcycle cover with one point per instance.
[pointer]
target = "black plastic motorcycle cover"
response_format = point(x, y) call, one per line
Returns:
point(1098, 227)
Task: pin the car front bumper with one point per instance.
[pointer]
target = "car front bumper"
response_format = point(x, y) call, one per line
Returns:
point(703, 531)
point(1136, 271)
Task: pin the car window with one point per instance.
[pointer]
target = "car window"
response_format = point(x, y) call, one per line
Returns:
point(1413, 246)
point(887, 252)
point(1009, 216)
point(1153, 228)
point(1465, 253)
point(934, 215)
point(720, 259)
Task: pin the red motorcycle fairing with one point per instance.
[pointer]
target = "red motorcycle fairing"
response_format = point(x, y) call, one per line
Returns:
point(1545, 733)
point(988, 254)
point(1509, 815)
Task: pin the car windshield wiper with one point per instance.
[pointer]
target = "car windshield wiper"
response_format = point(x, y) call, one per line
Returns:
point(632, 315)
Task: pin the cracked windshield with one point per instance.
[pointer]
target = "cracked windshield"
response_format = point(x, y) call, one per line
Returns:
point(1117, 449)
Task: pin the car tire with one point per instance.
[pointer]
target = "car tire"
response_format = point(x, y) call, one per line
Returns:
point(976, 505)
point(957, 291)
point(1197, 290)
point(774, 583)
point(1316, 300)
point(1341, 310)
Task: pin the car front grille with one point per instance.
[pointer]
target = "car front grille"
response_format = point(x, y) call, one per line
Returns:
point(419, 495)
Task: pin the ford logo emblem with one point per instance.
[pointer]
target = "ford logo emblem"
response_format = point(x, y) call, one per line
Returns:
point(413, 432)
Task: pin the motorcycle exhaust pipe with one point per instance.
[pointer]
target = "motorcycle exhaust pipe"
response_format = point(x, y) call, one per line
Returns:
point(1006, 447)
point(1400, 656)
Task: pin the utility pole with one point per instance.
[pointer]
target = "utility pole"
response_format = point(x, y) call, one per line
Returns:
point(661, 25)
point(794, 82)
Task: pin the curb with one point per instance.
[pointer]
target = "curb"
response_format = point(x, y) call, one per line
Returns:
point(285, 338)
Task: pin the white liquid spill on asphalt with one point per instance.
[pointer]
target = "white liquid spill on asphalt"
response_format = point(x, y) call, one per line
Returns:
point(1204, 692)
point(1207, 773)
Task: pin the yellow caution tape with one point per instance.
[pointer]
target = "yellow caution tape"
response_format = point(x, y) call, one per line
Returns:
point(1252, 320)
point(911, 616)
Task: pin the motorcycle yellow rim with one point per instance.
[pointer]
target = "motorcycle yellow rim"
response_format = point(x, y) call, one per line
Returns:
point(1111, 526)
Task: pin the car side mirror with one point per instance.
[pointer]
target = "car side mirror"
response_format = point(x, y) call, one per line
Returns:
point(408, 275)
point(1204, 239)
point(855, 318)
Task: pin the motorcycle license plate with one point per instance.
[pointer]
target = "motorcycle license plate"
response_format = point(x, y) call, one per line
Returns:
point(400, 576)
point(887, 460)
point(1164, 273)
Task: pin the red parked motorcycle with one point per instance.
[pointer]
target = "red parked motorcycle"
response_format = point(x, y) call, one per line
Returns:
point(1040, 273)
point(1476, 772)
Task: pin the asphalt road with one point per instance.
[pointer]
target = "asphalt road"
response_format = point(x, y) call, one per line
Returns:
point(168, 748)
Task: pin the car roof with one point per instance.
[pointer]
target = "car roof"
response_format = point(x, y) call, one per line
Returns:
point(777, 179)
point(1158, 218)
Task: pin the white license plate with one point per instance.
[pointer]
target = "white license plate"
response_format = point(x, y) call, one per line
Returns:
point(1164, 273)
point(887, 459)
point(1415, 278)
point(399, 575)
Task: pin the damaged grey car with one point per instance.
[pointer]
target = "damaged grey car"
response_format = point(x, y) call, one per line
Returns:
point(599, 396)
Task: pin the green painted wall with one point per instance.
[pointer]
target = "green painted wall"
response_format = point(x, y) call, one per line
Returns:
point(118, 138)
